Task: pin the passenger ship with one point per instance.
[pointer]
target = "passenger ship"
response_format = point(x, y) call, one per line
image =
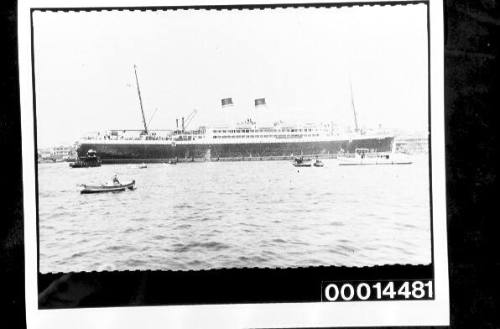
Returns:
point(243, 141)
point(246, 140)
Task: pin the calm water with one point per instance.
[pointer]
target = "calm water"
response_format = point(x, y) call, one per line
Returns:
point(234, 214)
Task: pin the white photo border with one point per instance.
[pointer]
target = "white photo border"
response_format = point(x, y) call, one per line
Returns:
point(381, 313)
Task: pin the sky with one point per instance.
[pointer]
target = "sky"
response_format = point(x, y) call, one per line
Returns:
point(304, 61)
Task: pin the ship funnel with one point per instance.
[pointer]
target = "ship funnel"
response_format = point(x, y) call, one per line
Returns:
point(227, 102)
point(260, 103)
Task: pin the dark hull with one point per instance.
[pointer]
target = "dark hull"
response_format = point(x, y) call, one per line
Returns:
point(138, 153)
point(84, 164)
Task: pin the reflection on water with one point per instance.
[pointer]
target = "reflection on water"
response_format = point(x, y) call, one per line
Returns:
point(234, 214)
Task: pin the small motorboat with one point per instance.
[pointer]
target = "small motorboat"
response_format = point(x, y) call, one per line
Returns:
point(172, 161)
point(143, 166)
point(301, 162)
point(87, 189)
point(318, 163)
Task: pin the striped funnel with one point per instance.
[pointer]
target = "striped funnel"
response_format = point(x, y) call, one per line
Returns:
point(260, 102)
point(227, 102)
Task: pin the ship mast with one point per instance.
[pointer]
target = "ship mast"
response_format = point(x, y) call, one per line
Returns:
point(354, 110)
point(140, 101)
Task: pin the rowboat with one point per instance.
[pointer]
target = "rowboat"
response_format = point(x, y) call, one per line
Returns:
point(87, 189)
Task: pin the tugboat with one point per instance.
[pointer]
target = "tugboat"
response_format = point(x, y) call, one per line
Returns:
point(301, 162)
point(90, 160)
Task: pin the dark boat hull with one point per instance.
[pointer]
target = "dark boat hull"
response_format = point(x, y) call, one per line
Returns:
point(118, 152)
point(84, 165)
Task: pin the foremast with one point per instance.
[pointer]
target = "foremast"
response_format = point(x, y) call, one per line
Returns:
point(140, 101)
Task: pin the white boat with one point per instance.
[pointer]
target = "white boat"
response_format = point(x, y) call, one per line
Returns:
point(365, 157)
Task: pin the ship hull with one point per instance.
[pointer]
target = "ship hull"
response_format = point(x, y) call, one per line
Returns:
point(120, 152)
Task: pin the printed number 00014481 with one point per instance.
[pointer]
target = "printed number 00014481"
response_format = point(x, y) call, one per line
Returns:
point(389, 290)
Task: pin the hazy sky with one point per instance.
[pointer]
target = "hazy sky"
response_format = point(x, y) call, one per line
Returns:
point(301, 60)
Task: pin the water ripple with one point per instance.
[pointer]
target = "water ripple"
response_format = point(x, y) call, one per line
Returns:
point(234, 214)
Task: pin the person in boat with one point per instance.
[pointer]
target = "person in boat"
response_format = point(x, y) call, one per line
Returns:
point(115, 180)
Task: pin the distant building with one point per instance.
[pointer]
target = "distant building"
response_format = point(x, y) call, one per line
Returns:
point(58, 153)
point(45, 155)
point(63, 152)
point(412, 144)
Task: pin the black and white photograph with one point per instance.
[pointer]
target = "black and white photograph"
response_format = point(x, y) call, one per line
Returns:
point(302, 145)
point(209, 141)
